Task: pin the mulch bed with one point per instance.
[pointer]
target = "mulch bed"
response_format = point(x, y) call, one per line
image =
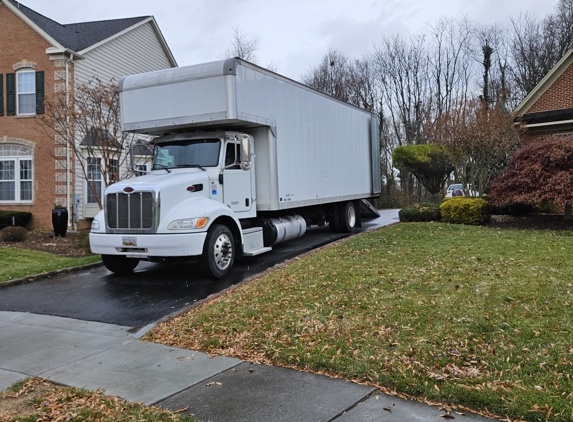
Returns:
point(531, 222)
point(74, 245)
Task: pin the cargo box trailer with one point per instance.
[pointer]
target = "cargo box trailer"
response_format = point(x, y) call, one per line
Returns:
point(243, 158)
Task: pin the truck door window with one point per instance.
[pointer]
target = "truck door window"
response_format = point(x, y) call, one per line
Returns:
point(232, 156)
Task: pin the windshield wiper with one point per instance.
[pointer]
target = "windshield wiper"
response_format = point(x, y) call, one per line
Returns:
point(161, 166)
point(191, 166)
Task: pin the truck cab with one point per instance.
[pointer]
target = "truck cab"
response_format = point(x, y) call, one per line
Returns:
point(190, 205)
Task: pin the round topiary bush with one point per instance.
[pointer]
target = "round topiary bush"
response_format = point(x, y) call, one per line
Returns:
point(461, 210)
point(425, 211)
point(14, 234)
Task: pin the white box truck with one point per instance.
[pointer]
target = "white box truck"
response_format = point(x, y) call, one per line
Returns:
point(243, 158)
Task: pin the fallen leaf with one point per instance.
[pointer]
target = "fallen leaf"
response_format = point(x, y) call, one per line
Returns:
point(448, 415)
point(181, 410)
point(389, 408)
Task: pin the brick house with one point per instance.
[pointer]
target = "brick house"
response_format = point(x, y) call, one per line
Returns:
point(40, 57)
point(548, 108)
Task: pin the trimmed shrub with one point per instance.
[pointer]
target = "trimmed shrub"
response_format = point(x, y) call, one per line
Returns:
point(425, 211)
point(460, 210)
point(14, 234)
point(14, 218)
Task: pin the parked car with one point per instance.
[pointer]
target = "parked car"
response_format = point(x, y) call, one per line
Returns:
point(453, 191)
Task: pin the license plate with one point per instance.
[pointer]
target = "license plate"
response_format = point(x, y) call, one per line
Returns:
point(129, 241)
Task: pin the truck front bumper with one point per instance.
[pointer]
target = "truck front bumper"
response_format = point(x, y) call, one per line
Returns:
point(148, 245)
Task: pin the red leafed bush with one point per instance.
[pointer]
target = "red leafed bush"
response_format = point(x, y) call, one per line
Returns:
point(538, 172)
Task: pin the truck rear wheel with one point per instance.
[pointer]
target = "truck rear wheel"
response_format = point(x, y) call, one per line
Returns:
point(119, 264)
point(218, 253)
point(346, 217)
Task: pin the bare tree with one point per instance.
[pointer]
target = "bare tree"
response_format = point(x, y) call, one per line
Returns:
point(331, 76)
point(492, 55)
point(87, 124)
point(402, 68)
point(537, 45)
point(480, 141)
point(242, 45)
point(450, 63)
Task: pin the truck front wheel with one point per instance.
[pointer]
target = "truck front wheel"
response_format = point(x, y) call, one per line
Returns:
point(218, 253)
point(119, 264)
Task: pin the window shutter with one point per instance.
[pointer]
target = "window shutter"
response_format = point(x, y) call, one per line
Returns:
point(40, 92)
point(1, 95)
point(10, 94)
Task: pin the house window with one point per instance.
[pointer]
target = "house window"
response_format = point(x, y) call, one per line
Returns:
point(24, 93)
point(140, 169)
point(26, 89)
point(16, 173)
point(95, 177)
point(113, 170)
point(94, 180)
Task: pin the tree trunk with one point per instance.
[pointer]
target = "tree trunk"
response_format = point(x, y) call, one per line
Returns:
point(568, 212)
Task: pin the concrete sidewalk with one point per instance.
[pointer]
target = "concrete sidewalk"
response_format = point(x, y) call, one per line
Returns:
point(102, 356)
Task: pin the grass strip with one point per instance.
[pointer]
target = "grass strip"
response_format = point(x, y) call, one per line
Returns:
point(19, 263)
point(470, 316)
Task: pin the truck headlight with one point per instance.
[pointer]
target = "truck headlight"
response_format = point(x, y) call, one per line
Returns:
point(188, 223)
point(95, 225)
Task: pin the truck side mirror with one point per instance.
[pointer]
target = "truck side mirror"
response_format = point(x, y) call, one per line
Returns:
point(245, 153)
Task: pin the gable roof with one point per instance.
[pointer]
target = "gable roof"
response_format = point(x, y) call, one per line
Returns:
point(544, 84)
point(81, 36)
point(86, 34)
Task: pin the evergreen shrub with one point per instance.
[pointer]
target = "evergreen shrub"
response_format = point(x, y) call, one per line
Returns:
point(461, 210)
point(425, 211)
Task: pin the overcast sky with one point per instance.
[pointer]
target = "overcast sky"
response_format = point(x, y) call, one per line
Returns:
point(293, 35)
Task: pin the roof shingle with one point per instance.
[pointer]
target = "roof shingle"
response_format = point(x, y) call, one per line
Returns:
point(78, 36)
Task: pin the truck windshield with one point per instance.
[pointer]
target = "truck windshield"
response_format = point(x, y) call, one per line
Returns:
point(192, 153)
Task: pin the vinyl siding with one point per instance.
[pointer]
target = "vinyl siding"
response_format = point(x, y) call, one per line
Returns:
point(136, 51)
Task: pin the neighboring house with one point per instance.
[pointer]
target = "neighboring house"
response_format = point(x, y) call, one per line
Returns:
point(38, 58)
point(548, 108)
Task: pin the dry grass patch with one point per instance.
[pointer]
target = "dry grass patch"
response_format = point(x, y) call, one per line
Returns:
point(35, 400)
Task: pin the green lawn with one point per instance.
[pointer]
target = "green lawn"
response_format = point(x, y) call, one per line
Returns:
point(472, 316)
point(19, 263)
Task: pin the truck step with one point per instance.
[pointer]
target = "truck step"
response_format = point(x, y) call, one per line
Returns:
point(368, 210)
point(253, 242)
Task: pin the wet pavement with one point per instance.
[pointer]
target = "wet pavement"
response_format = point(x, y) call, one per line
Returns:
point(153, 291)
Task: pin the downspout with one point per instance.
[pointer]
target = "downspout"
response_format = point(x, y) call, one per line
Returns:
point(68, 152)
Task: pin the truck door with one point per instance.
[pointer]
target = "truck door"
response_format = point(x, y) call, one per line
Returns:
point(237, 183)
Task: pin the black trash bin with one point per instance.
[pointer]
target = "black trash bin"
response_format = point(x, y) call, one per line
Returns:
point(60, 221)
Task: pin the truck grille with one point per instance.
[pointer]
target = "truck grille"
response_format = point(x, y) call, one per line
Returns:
point(133, 213)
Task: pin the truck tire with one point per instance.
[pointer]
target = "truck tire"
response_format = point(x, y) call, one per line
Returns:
point(346, 216)
point(119, 264)
point(218, 253)
point(333, 220)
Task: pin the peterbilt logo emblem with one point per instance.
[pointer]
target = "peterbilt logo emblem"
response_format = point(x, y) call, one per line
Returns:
point(128, 190)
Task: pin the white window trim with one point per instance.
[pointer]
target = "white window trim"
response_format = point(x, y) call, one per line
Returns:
point(17, 180)
point(87, 188)
point(18, 93)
